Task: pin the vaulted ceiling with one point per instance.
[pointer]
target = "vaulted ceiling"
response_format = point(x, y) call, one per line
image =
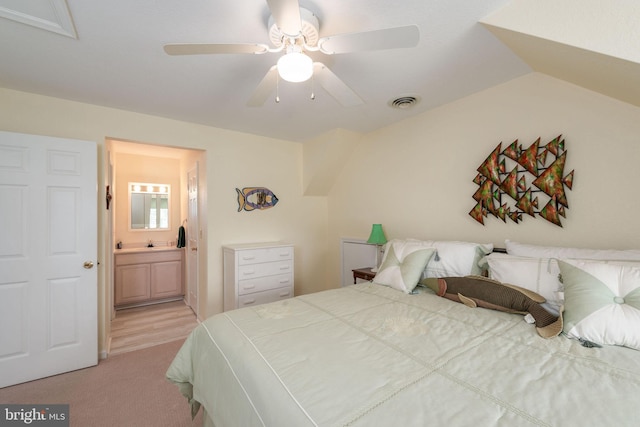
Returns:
point(111, 53)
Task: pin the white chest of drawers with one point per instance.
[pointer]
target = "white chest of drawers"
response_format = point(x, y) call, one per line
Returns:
point(257, 273)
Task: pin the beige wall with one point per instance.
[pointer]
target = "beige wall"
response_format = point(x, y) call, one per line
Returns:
point(232, 160)
point(415, 177)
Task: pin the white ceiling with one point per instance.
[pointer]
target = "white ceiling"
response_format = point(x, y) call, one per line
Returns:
point(117, 60)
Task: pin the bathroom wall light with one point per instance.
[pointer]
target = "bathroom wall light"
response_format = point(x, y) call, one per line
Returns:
point(295, 66)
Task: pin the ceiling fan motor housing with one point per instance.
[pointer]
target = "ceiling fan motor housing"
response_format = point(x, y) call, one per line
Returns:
point(310, 27)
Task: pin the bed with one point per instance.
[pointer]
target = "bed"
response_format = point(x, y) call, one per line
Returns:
point(375, 355)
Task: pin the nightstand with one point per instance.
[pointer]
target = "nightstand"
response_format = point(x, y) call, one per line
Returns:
point(363, 273)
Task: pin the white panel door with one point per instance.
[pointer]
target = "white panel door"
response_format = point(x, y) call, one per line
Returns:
point(48, 280)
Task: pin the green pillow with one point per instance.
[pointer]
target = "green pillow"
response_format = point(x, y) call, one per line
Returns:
point(602, 302)
point(403, 264)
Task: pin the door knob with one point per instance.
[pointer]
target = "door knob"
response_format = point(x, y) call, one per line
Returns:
point(88, 264)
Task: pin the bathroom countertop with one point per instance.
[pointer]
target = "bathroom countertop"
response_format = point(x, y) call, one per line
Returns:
point(146, 249)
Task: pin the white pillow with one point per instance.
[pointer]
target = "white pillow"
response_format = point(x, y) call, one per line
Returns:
point(539, 275)
point(402, 264)
point(602, 302)
point(535, 251)
point(455, 259)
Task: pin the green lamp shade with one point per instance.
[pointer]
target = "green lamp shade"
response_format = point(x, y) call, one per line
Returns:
point(377, 236)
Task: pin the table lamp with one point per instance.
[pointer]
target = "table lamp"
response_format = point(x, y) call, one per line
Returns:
point(377, 238)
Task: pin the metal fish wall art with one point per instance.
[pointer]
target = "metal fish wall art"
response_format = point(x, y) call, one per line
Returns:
point(252, 198)
point(511, 182)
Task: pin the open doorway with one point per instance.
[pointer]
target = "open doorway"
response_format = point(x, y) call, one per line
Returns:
point(150, 273)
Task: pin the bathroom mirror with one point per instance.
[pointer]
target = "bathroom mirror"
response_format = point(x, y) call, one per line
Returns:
point(149, 206)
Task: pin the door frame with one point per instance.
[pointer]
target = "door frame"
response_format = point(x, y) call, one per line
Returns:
point(193, 227)
point(192, 156)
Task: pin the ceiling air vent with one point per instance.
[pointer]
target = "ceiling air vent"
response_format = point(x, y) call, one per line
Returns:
point(404, 102)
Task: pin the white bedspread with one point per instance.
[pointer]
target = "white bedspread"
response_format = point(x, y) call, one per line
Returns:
point(367, 355)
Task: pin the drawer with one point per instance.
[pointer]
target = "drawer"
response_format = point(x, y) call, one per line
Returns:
point(264, 297)
point(264, 283)
point(266, 269)
point(253, 256)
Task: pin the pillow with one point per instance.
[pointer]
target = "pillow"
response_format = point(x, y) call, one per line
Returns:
point(454, 258)
point(602, 302)
point(402, 264)
point(539, 275)
point(536, 267)
point(480, 291)
point(521, 249)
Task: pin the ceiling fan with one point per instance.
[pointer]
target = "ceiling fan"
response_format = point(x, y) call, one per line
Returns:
point(293, 31)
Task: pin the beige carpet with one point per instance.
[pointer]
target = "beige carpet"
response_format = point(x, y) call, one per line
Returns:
point(125, 390)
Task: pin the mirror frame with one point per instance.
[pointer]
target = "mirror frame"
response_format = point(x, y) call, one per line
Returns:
point(149, 188)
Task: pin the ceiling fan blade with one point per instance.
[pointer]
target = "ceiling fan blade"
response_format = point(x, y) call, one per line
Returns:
point(204, 48)
point(286, 13)
point(334, 86)
point(390, 38)
point(264, 89)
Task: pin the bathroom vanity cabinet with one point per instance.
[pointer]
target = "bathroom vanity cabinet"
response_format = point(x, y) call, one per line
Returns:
point(148, 275)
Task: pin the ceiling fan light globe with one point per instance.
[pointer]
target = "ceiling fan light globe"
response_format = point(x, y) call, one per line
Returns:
point(295, 67)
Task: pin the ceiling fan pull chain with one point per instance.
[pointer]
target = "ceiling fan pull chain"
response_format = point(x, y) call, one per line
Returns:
point(277, 89)
point(313, 85)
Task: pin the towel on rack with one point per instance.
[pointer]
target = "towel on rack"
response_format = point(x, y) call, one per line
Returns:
point(181, 237)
